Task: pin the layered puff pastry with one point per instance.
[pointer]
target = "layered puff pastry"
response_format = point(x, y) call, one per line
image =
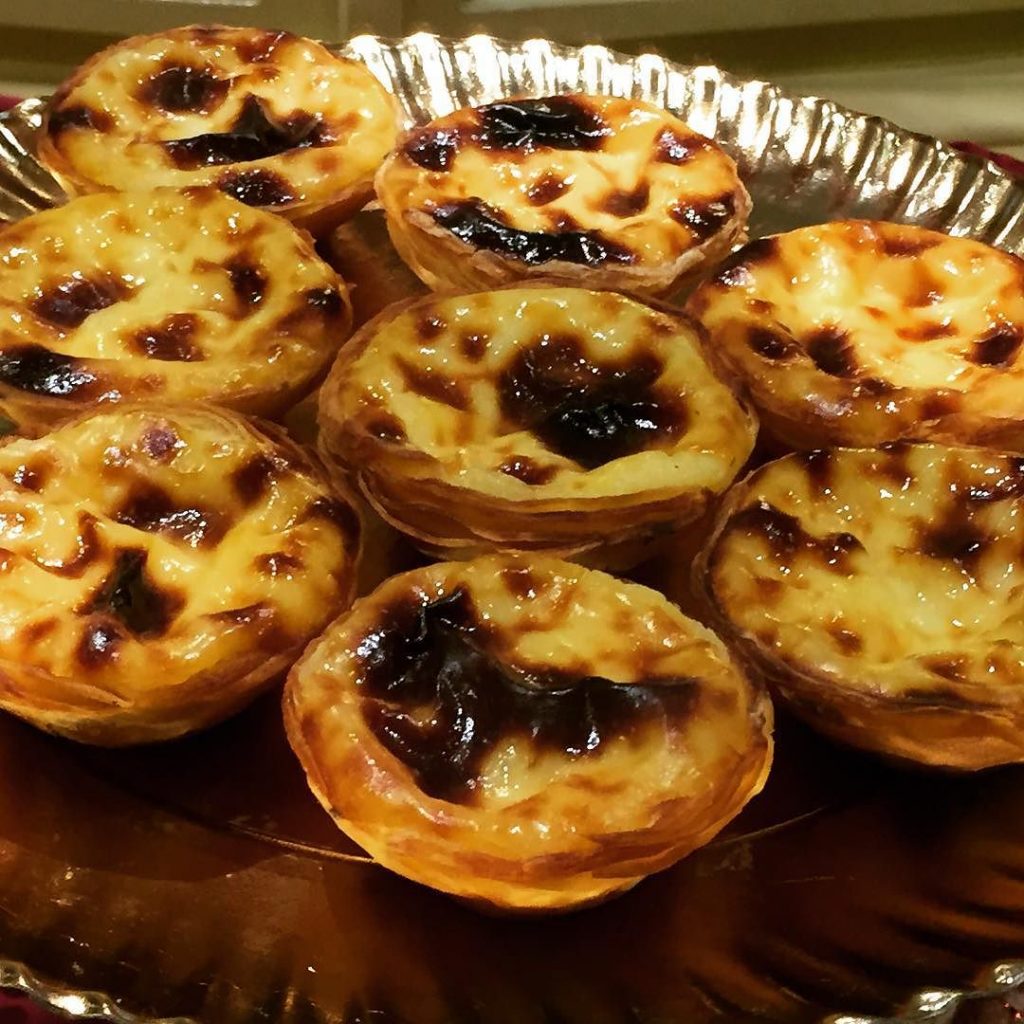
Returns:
point(270, 118)
point(162, 295)
point(527, 734)
point(536, 417)
point(881, 592)
point(159, 568)
point(596, 190)
point(860, 332)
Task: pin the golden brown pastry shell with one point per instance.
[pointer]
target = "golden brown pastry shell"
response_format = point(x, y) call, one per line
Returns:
point(918, 334)
point(232, 306)
point(413, 491)
point(99, 703)
point(957, 724)
point(408, 191)
point(469, 851)
point(318, 214)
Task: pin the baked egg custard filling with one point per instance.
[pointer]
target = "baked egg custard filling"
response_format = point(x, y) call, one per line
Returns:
point(543, 417)
point(605, 191)
point(862, 332)
point(529, 734)
point(162, 295)
point(270, 118)
point(159, 567)
point(881, 590)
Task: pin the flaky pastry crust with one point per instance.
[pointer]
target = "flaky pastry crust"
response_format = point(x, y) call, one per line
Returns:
point(162, 296)
point(268, 117)
point(862, 332)
point(525, 733)
point(160, 567)
point(879, 591)
point(597, 191)
point(536, 417)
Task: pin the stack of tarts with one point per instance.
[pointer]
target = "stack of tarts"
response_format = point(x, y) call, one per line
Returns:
point(878, 585)
point(517, 727)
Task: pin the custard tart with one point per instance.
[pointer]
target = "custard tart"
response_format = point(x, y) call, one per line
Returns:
point(595, 190)
point(882, 592)
point(161, 567)
point(162, 295)
point(270, 118)
point(862, 332)
point(536, 417)
point(525, 733)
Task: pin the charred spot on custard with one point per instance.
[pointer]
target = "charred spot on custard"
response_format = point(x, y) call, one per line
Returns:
point(925, 331)
point(432, 385)
point(171, 340)
point(39, 371)
point(704, 217)
point(332, 510)
point(80, 116)
point(473, 345)
point(546, 189)
point(68, 303)
point(131, 596)
point(520, 582)
point(627, 202)
point(151, 509)
point(527, 470)
point(483, 227)
point(429, 326)
point(433, 149)
point(326, 301)
point(99, 644)
point(256, 187)
point(786, 537)
point(161, 443)
point(846, 640)
point(903, 245)
point(248, 282)
point(770, 344)
point(947, 666)
point(998, 346)
point(555, 122)
point(428, 669)
point(958, 540)
point(672, 148)
point(589, 412)
point(819, 466)
point(385, 427)
point(253, 135)
point(30, 477)
point(251, 481)
point(179, 88)
point(831, 352)
point(939, 404)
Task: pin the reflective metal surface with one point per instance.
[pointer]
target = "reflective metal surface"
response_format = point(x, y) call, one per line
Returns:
point(199, 881)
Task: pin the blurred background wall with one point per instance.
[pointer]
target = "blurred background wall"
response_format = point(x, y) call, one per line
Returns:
point(952, 68)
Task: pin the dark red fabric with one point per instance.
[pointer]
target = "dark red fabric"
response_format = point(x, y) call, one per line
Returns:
point(1010, 164)
point(5, 102)
point(19, 1010)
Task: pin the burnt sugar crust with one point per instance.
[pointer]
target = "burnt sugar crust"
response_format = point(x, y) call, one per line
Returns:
point(862, 332)
point(160, 567)
point(536, 417)
point(595, 190)
point(271, 118)
point(162, 296)
point(879, 591)
point(525, 733)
